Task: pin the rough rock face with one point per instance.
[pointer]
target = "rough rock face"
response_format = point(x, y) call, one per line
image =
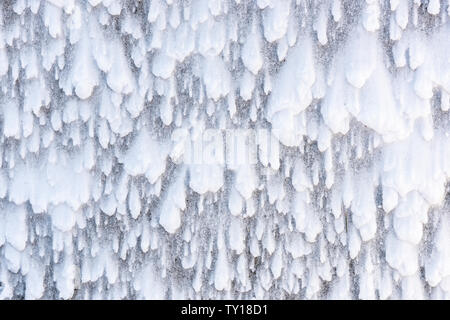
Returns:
point(224, 149)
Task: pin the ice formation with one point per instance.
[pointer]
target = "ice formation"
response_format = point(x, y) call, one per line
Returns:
point(269, 149)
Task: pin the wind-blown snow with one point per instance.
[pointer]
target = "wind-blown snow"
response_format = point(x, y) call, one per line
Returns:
point(162, 149)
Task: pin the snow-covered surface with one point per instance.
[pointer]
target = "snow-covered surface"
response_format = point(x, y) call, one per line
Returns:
point(169, 149)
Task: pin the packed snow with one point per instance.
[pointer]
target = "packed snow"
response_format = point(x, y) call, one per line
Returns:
point(225, 149)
